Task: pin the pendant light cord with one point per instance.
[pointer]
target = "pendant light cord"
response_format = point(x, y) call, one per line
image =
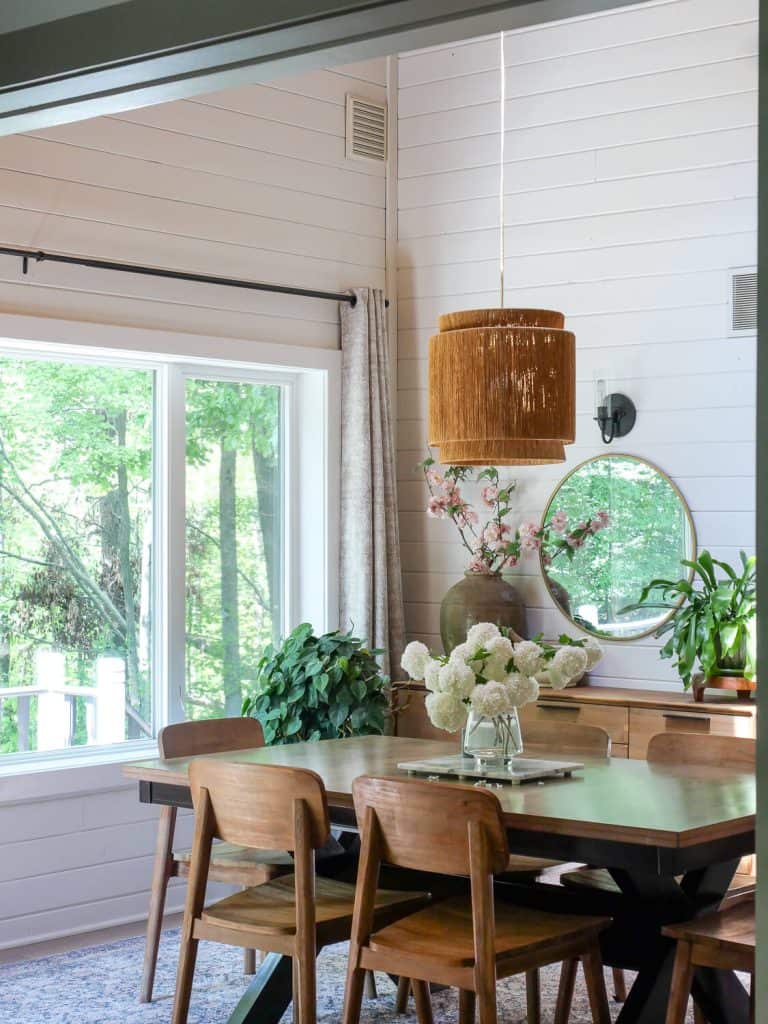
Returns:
point(503, 96)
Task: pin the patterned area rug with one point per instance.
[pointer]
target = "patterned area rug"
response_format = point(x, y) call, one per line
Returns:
point(99, 985)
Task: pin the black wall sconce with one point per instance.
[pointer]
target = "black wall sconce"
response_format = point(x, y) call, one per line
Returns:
point(616, 414)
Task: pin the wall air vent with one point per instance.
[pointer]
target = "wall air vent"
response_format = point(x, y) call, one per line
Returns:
point(366, 129)
point(744, 301)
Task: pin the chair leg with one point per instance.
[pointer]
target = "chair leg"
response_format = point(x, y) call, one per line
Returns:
point(353, 997)
point(307, 1008)
point(423, 1001)
point(680, 990)
point(619, 985)
point(466, 1006)
point(161, 872)
point(532, 997)
point(593, 974)
point(403, 991)
point(369, 985)
point(249, 961)
point(565, 991)
point(184, 976)
point(698, 1015)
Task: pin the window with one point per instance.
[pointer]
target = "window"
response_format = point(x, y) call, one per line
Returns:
point(150, 539)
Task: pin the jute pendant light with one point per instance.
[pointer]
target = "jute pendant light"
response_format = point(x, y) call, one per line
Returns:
point(502, 382)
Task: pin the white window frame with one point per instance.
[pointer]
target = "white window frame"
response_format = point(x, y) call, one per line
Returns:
point(311, 379)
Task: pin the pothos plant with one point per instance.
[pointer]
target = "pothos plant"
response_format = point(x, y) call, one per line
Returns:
point(317, 688)
point(712, 621)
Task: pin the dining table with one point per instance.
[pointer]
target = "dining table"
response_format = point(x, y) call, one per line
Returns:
point(671, 837)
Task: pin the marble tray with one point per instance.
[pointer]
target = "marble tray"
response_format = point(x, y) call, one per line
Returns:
point(520, 769)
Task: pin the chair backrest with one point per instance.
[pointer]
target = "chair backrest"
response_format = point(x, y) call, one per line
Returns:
point(209, 736)
point(735, 752)
point(259, 805)
point(565, 738)
point(426, 825)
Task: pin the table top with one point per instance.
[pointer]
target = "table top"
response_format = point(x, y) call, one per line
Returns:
point(620, 800)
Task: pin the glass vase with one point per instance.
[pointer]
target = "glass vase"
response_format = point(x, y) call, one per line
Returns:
point(492, 740)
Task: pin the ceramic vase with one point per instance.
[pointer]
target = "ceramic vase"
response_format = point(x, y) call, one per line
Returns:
point(480, 597)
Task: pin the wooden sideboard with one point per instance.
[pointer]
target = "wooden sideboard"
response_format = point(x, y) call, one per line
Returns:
point(630, 717)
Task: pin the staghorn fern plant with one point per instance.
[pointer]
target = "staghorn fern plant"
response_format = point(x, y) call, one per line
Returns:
point(712, 625)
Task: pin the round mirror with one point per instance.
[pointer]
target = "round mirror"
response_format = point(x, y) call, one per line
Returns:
point(649, 531)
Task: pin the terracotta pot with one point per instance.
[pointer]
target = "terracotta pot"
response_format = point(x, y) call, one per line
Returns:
point(480, 597)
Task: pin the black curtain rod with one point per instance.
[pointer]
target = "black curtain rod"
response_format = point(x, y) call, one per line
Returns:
point(25, 255)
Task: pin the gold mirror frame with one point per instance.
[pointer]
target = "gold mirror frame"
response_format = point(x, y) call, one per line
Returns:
point(691, 526)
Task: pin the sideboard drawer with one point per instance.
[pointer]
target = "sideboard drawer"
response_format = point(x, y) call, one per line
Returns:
point(647, 722)
point(614, 720)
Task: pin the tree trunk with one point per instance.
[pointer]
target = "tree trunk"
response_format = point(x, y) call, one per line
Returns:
point(230, 613)
point(266, 472)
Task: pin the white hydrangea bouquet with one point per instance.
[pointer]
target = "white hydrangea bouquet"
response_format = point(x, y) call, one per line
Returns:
point(489, 676)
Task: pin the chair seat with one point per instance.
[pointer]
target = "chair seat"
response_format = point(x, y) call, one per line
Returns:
point(732, 931)
point(527, 866)
point(271, 908)
point(442, 933)
point(600, 879)
point(238, 864)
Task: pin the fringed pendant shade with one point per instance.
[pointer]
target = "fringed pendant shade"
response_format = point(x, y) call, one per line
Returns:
point(502, 387)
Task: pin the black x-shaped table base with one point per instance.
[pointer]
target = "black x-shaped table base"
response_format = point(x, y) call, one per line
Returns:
point(663, 900)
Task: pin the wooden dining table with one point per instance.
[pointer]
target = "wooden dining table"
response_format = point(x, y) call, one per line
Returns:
point(670, 835)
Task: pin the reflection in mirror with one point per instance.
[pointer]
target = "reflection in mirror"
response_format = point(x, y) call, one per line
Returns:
point(650, 531)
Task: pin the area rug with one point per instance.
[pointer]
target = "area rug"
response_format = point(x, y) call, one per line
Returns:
point(99, 985)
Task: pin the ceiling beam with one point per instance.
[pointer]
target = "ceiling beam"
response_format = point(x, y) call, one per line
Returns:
point(141, 52)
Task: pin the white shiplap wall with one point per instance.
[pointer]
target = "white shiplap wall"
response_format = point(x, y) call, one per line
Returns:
point(630, 173)
point(248, 183)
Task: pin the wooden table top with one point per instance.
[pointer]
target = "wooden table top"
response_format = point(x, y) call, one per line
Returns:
point(631, 802)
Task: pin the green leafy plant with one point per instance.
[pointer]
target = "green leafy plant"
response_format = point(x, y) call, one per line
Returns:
point(317, 688)
point(712, 624)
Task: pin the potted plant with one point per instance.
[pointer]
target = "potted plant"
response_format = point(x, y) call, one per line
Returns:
point(711, 628)
point(317, 688)
point(493, 546)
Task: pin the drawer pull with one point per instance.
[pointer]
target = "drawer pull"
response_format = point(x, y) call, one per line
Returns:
point(688, 718)
point(557, 707)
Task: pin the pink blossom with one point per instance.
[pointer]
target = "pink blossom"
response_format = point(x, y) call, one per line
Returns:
point(490, 495)
point(511, 561)
point(505, 529)
point(573, 541)
point(546, 559)
point(466, 515)
point(435, 478)
point(436, 508)
point(558, 522)
point(492, 532)
point(477, 564)
point(529, 543)
point(528, 529)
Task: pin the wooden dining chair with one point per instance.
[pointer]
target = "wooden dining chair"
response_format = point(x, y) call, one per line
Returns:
point(229, 863)
point(731, 752)
point(548, 740)
point(259, 806)
point(724, 940)
point(467, 942)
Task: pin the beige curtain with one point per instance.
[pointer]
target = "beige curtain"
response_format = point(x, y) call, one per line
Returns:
point(371, 597)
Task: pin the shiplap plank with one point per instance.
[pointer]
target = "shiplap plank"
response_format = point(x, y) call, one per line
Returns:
point(621, 26)
point(44, 196)
point(645, 259)
point(480, 182)
point(705, 288)
point(564, 97)
point(328, 85)
point(373, 70)
point(230, 127)
point(271, 104)
point(724, 112)
point(231, 160)
point(695, 220)
point(463, 58)
point(648, 192)
point(90, 916)
point(58, 162)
